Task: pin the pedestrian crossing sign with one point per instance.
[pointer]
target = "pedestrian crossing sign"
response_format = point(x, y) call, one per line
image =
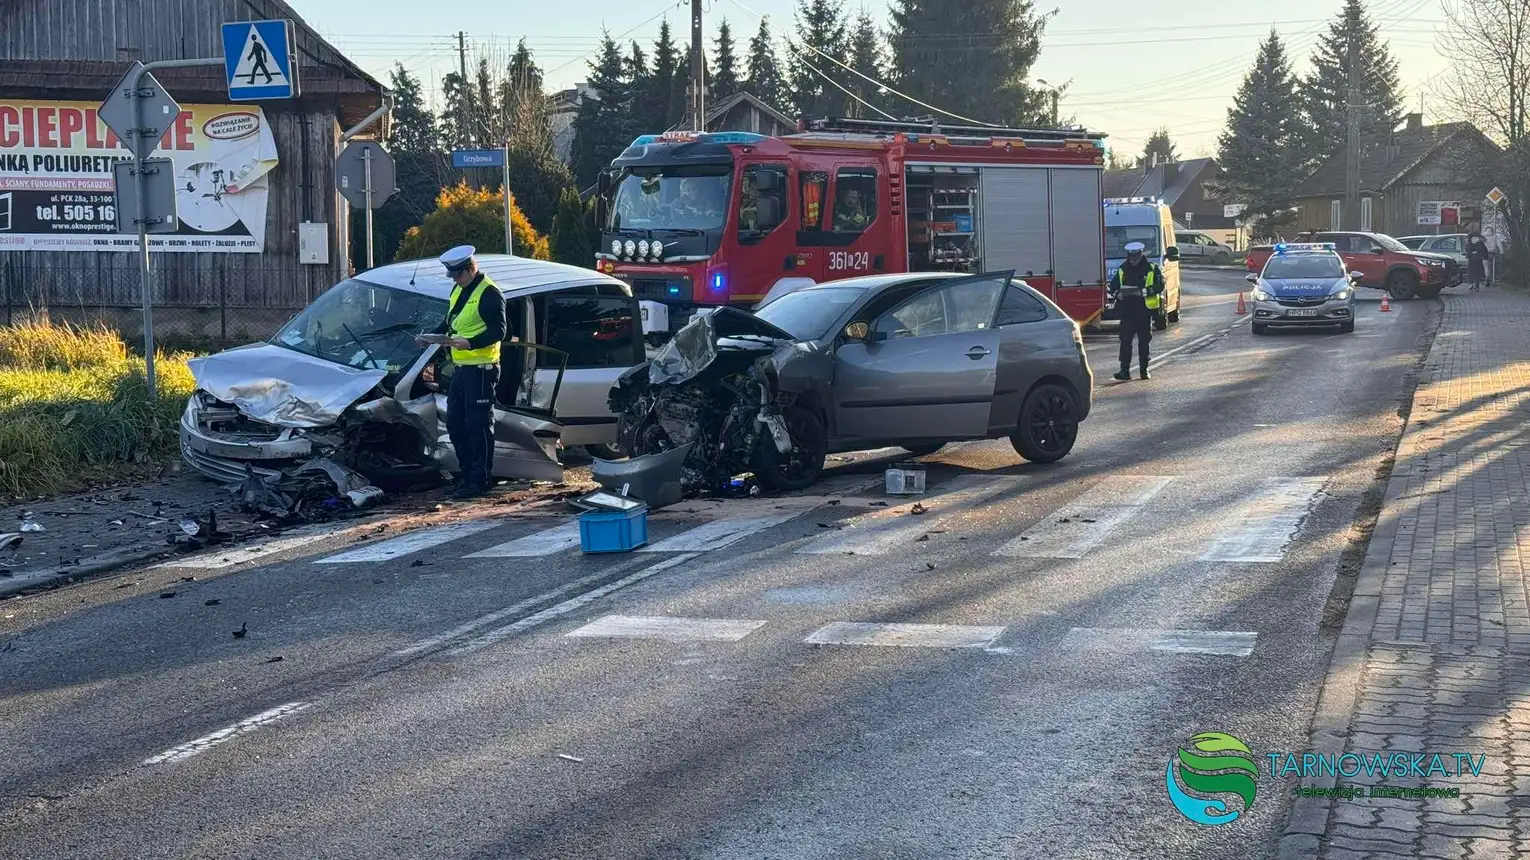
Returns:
point(258, 57)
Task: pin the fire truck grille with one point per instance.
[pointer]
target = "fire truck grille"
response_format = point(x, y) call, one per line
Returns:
point(662, 289)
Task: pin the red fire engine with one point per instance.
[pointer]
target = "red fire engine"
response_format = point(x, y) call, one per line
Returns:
point(733, 218)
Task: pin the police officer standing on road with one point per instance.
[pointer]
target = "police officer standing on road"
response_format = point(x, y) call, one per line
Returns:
point(1137, 291)
point(475, 326)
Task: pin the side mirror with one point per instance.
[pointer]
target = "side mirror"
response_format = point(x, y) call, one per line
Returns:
point(767, 180)
point(858, 331)
point(1355, 276)
point(1172, 255)
point(1251, 277)
point(603, 182)
point(769, 209)
point(1378, 250)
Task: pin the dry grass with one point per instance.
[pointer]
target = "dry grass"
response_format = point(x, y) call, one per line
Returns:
point(74, 407)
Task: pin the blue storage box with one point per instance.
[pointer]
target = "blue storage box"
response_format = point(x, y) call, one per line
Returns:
point(613, 531)
point(963, 222)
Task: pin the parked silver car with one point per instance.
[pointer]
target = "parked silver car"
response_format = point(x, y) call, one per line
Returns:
point(345, 379)
point(1452, 245)
point(915, 360)
point(1202, 248)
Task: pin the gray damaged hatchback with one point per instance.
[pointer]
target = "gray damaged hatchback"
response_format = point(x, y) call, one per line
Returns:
point(915, 360)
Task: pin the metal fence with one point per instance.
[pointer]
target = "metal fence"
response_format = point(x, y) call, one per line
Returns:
point(198, 309)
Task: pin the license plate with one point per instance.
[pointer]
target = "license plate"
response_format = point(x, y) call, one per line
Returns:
point(1302, 312)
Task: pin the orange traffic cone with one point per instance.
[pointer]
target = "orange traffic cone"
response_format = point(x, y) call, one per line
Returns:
point(1242, 308)
point(1386, 302)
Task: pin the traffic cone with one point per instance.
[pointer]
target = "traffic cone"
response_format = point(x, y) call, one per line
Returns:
point(1242, 308)
point(1386, 302)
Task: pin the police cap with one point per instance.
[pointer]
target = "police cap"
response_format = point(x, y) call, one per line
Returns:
point(1135, 247)
point(458, 258)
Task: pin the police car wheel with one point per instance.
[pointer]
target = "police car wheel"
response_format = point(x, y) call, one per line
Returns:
point(1347, 328)
point(1260, 328)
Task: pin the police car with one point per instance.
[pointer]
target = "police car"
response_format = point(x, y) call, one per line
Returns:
point(1304, 285)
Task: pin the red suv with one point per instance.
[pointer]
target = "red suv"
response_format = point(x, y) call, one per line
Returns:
point(1383, 263)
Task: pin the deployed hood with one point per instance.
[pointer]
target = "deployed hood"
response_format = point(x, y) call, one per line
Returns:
point(694, 347)
point(279, 386)
point(1293, 287)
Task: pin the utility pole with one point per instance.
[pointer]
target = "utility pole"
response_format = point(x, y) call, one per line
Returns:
point(698, 71)
point(1351, 214)
point(464, 103)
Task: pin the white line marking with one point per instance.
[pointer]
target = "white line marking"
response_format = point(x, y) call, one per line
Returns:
point(1268, 524)
point(1152, 364)
point(675, 629)
point(411, 543)
point(546, 542)
point(223, 735)
point(230, 558)
point(905, 635)
point(718, 534)
point(567, 606)
point(884, 530)
point(1224, 643)
point(1087, 521)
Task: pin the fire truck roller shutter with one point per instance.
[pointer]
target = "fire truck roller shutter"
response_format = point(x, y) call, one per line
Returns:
point(1015, 226)
point(782, 287)
point(1077, 225)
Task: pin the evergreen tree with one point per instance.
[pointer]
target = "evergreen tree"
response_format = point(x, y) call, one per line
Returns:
point(866, 58)
point(1325, 91)
point(657, 99)
point(765, 81)
point(415, 144)
point(455, 124)
point(724, 70)
point(571, 241)
point(1257, 151)
point(488, 125)
point(602, 127)
point(1159, 149)
point(414, 126)
point(521, 93)
point(971, 58)
point(821, 34)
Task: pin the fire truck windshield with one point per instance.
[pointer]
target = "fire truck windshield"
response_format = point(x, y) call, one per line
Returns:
point(681, 200)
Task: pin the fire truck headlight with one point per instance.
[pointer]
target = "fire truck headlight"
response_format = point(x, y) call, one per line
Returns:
point(643, 248)
point(616, 247)
point(658, 251)
point(630, 247)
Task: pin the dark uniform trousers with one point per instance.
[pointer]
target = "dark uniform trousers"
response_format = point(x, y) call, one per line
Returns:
point(1136, 322)
point(470, 421)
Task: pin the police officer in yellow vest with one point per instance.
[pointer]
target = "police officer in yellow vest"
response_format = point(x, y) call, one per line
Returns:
point(1137, 291)
point(475, 324)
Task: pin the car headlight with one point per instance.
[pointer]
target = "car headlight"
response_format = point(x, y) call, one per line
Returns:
point(658, 250)
point(630, 247)
point(643, 248)
point(1435, 264)
point(1260, 295)
point(1341, 295)
point(616, 247)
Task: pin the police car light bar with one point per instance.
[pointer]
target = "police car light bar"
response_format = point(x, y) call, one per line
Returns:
point(1305, 246)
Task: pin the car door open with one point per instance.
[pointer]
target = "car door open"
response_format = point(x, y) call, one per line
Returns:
point(926, 369)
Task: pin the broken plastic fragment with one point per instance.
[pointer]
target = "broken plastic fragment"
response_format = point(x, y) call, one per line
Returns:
point(32, 526)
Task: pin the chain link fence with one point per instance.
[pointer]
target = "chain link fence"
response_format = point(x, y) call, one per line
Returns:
point(197, 308)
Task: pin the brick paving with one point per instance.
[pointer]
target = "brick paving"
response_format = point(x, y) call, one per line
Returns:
point(1435, 652)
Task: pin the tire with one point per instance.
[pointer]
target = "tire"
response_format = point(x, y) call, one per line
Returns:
point(1427, 293)
point(781, 472)
point(1160, 322)
point(924, 450)
point(1260, 328)
point(1048, 424)
point(1222, 258)
point(605, 452)
point(1347, 328)
point(1402, 284)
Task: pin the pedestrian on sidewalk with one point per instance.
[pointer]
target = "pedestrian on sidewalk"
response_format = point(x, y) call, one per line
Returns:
point(1476, 260)
point(1136, 289)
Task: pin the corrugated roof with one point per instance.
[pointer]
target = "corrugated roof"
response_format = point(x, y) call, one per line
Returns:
point(1122, 183)
point(1384, 165)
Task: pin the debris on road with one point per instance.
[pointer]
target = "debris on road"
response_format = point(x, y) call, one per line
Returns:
point(213, 602)
point(567, 757)
point(243, 630)
point(277, 659)
point(918, 509)
point(166, 595)
point(32, 526)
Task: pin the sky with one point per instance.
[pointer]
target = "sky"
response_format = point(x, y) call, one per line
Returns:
point(1129, 66)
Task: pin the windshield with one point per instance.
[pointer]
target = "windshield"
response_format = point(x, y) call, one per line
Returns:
point(1413, 243)
point(809, 314)
point(1117, 238)
point(1389, 243)
point(688, 199)
point(363, 326)
point(1304, 266)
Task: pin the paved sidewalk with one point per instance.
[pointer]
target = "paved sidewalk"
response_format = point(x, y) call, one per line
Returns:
point(1434, 655)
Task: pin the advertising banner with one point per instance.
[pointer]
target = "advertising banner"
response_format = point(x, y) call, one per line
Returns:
point(56, 190)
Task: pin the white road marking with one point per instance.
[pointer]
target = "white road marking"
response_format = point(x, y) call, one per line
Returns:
point(224, 735)
point(243, 555)
point(662, 627)
point(567, 606)
point(411, 543)
point(1225, 643)
point(1160, 359)
point(905, 635)
point(1087, 521)
point(1268, 523)
point(718, 534)
point(546, 542)
point(884, 530)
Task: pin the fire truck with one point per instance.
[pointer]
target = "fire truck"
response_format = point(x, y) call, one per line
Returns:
point(694, 220)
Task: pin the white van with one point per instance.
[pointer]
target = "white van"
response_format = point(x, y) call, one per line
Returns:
point(1149, 221)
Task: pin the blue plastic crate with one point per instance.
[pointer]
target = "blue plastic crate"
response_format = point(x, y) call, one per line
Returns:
point(963, 222)
point(613, 531)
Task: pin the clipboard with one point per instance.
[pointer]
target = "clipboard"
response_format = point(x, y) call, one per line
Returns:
point(437, 339)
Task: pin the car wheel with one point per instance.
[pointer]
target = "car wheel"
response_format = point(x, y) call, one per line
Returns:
point(801, 468)
point(1402, 284)
point(923, 450)
point(1347, 328)
point(1222, 258)
point(1260, 328)
point(605, 452)
point(1048, 424)
point(1428, 292)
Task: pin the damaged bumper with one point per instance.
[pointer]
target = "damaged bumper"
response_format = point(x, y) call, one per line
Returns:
point(224, 454)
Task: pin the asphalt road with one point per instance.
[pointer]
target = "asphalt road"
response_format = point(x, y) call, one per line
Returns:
point(738, 691)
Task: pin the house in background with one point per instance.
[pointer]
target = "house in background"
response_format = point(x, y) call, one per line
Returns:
point(1182, 185)
point(745, 112)
point(1402, 182)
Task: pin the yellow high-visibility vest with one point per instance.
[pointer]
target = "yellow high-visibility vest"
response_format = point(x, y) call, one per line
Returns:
point(468, 323)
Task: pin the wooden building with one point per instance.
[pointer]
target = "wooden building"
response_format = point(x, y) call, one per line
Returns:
point(1419, 167)
point(60, 58)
